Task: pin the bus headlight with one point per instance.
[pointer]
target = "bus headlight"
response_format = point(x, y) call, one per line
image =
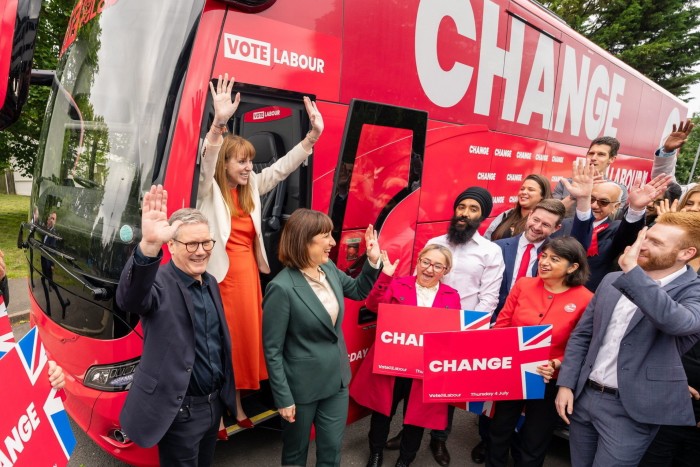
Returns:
point(115, 377)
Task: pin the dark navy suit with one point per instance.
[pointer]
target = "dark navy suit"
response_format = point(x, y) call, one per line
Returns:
point(611, 243)
point(160, 384)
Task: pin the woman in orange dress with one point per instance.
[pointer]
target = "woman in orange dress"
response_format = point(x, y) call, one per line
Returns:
point(233, 208)
point(240, 292)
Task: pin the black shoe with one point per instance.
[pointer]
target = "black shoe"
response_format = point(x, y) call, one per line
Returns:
point(375, 460)
point(402, 463)
point(479, 453)
point(440, 453)
point(394, 443)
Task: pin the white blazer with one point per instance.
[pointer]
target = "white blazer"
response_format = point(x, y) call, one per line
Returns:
point(211, 202)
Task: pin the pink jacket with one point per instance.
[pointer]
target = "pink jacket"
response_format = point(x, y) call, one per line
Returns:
point(376, 391)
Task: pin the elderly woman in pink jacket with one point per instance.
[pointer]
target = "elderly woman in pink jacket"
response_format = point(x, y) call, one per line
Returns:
point(382, 393)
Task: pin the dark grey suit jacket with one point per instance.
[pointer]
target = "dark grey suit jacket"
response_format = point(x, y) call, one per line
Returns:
point(652, 383)
point(167, 316)
point(611, 243)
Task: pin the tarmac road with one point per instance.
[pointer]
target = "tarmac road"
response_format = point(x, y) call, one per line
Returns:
point(262, 447)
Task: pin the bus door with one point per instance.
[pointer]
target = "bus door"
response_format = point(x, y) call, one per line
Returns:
point(274, 122)
point(377, 181)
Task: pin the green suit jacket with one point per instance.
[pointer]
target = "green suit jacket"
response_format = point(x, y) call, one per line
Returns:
point(306, 356)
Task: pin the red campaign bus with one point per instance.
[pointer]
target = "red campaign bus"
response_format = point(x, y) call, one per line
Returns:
point(421, 98)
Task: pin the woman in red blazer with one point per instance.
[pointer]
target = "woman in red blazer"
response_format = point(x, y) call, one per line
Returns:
point(382, 393)
point(558, 297)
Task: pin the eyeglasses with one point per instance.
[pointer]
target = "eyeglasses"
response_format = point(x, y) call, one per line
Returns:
point(601, 202)
point(191, 247)
point(437, 267)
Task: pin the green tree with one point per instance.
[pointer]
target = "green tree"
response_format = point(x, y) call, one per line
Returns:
point(21, 140)
point(660, 38)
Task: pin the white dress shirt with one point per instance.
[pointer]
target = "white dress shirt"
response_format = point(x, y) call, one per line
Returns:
point(477, 271)
point(605, 367)
point(522, 244)
point(425, 296)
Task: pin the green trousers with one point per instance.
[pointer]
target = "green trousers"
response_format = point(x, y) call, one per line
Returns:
point(329, 416)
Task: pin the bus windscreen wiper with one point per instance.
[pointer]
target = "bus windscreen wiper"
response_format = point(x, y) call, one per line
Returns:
point(57, 257)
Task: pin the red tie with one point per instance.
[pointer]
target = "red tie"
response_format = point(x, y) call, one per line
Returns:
point(525, 261)
point(593, 248)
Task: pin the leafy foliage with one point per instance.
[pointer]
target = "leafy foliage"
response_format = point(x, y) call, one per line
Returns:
point(660, 38)
point(21, 140)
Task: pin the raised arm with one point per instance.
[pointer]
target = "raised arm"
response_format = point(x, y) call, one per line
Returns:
point(679, 317)
point(155, 229)
point(270, 176)
point(316, 121)
point(665, 158)
point(677, 138)
point(360, 287)
point(581, 185)
point(134, 292)
point(380, 291)
point(224, 108)
point(633, 221)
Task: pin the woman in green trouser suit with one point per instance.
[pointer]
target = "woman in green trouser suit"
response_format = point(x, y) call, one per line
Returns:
point(303, 338)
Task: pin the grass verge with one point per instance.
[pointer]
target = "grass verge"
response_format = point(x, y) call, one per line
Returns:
point(14, 210)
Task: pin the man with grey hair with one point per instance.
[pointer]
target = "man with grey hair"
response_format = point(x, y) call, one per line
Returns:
point(184, 381)
point(609, 237)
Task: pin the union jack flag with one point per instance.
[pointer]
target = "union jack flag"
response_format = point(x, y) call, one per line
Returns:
point(474, 320)
point(533, 337)
point(7, 339)
point(481, 408)
point(25, 368)
point(32, 355)
point(58, 419)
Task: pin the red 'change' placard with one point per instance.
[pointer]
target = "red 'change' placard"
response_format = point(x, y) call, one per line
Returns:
point(495, 364)
point(399, 342)
point(34, 428)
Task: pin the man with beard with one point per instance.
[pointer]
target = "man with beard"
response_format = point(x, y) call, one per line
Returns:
point(477, 269)
point(477, 263)
point(622, 365)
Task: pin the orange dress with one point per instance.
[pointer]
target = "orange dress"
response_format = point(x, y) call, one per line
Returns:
point(242, 297)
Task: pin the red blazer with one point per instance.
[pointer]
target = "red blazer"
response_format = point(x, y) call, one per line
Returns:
point(376, 391)
point(530, 304)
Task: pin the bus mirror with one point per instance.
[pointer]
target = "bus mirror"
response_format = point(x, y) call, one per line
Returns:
point(16, 53)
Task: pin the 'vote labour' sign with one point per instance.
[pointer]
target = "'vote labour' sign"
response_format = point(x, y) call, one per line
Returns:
point(34, 428)
point(399, 341)
point(496, 364)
